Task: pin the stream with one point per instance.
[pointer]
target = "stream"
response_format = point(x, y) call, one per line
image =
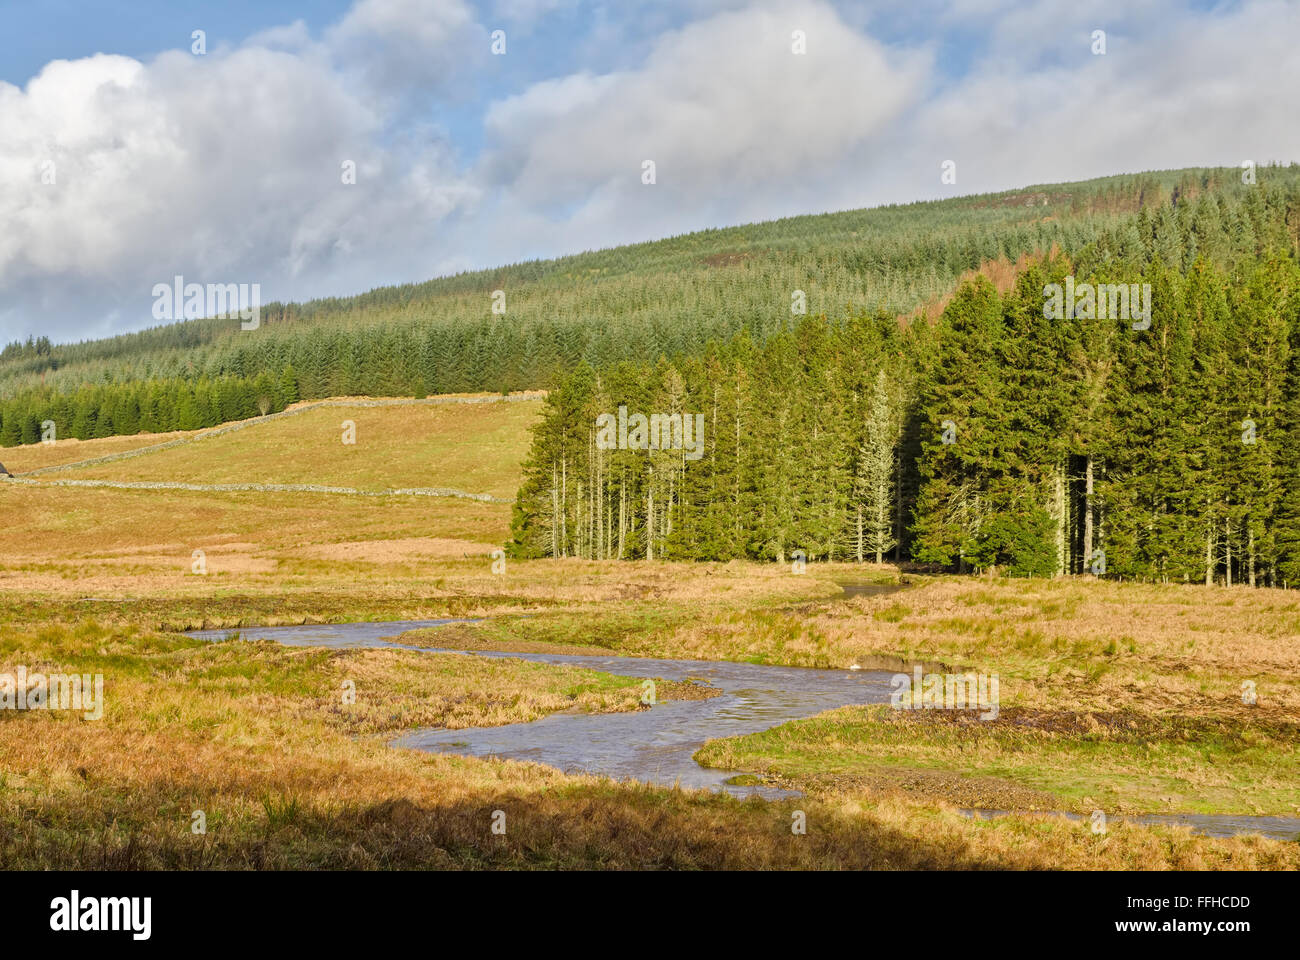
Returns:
point(656, 746)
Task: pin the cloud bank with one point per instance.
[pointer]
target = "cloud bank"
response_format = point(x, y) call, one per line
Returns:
point(116, 174)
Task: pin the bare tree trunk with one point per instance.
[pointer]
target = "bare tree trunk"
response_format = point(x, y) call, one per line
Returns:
point(622, 514)
point(577, 522)
point(880, 524)
point(735, 520)
point(1250, 554)
point(555, 513)
point(564, 507)
point(1059, 509)
point(1087, 513)
point(898, 510)
point(1227, 543)
point(598, 508)
point(650, 518)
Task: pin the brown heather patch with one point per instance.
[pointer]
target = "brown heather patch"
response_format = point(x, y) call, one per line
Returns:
point(103, 798)
point(726, 259)
point(962, 791)
point(407, 549)
point(1002, 273)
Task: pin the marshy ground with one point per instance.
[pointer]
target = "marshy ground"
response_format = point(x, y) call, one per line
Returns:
point(1121, 697)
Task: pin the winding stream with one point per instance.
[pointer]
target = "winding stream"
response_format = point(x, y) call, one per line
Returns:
point(656, 746)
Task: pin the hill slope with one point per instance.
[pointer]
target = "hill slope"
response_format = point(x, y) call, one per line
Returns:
point(628, 303)
point(470, 444)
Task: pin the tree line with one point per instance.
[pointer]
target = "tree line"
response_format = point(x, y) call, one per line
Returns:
point(154, 406)
point(1161, 448)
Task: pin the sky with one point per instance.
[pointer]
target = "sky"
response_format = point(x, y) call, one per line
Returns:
point(130, 154)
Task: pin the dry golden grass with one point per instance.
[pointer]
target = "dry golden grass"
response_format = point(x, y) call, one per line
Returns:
point(1090, 645)
point(258, 738)
point(79, 542)
point(34, 456)
point(477, 448)
point(241, 733)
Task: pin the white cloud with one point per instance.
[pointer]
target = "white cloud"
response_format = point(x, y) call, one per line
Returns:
point(739, 133)
point(224, 168)
point(720, 104)
point(227, 167)
point(1202, 89)
point(406, 47)
point(732, 118)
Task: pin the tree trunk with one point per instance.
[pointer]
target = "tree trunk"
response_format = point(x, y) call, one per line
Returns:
point(1087, 514)
point(577, 522)
point(622, 514)
point(564, 507)
point(898, 509)
point(880, 524)
point(1227, 543)
point(555, 513)
point(650, 518)
point(1059, 509)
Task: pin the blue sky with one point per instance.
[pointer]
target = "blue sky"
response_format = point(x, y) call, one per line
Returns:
point(36, 33)
point(125, 159)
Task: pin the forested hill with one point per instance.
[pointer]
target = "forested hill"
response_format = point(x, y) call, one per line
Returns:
point(1149, 429)
point(665, 298)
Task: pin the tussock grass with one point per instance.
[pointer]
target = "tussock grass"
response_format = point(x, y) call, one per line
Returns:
point(240, 731)
point(257, 736)
point(1035, 759)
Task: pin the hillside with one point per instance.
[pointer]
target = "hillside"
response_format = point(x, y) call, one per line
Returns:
point(95, 529)
point(475, 447)
point(666, 297)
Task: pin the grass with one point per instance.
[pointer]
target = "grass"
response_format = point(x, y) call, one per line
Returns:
point(251, 735)
point(1026, 760)
point(258, 737)
point(472, 447)
point(109, 543)
point(34, 456)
